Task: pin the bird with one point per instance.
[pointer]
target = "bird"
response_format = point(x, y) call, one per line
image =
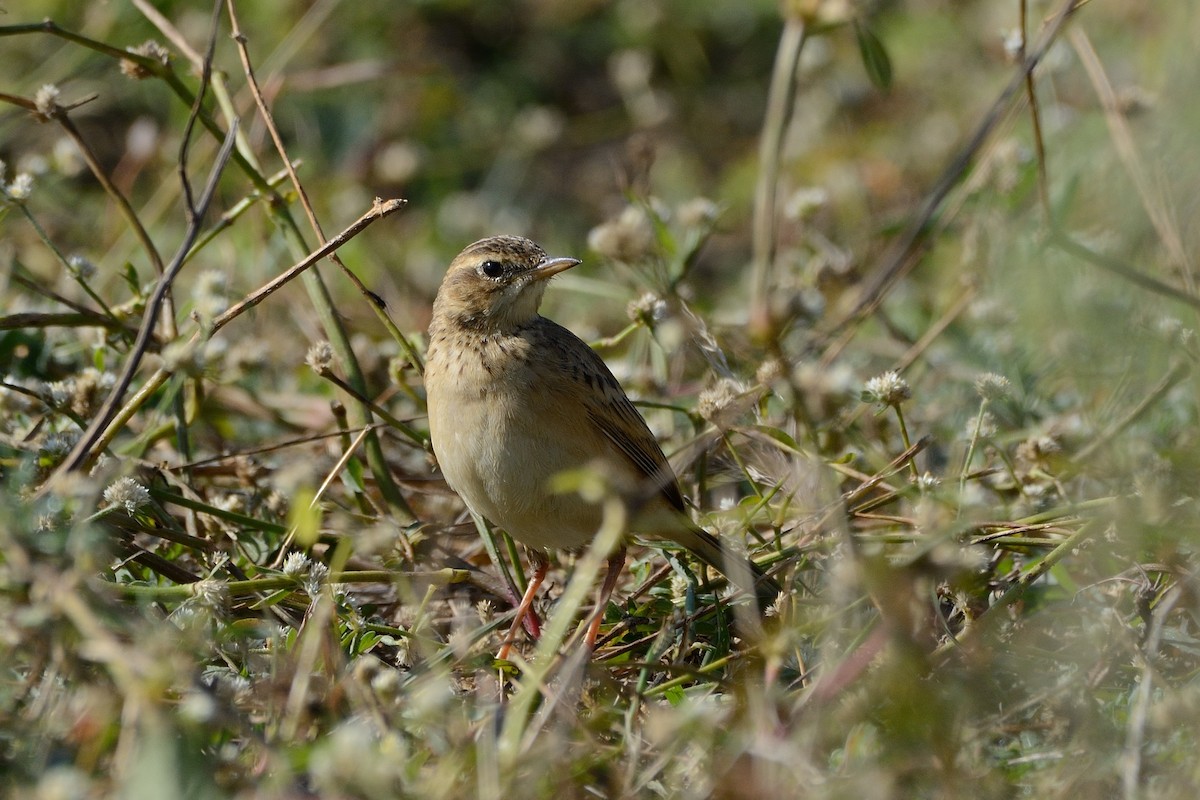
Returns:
point(515, 399)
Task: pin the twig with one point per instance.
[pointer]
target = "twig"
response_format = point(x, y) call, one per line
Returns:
point(913, 353)
point(379, 210)
point(79, 319)
point(375, 301)
point(83, 452)
point(322, 302)
point(1035, 121)
point(780, 99)
point(159, 377)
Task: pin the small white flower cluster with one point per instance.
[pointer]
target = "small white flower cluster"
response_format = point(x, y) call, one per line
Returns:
point(647, 309)
point(150, 49)
point(21, 187)
point(718, 398)
point(46, 100)
point(927, 482)
point(80, 393)
point(992, 387)
point(320, 357)
point(312, 574)
point(81, 267)
point(56, 446)
point(128, 493)
point(210, 594)
point(888, 389)
point(699, 212)
point(982, 426)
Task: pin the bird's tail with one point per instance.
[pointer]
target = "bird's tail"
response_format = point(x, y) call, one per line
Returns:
point(740, 571)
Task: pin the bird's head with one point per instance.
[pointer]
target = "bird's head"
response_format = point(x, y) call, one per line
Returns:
point(496, 284)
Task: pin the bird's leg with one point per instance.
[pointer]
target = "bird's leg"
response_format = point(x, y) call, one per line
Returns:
point(541, 565)
point(616, 563)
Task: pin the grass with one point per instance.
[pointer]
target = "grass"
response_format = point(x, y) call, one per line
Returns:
point(926, 353)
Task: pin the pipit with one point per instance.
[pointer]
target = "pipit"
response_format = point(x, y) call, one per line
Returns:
point(515, 399)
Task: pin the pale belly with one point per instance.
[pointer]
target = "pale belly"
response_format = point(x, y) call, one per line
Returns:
point(502, 454)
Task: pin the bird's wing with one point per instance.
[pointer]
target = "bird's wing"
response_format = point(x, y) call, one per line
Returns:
point(609, 410)
point(584, 375)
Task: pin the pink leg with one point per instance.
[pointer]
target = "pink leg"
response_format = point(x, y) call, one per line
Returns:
point(616, 563)
point(541, 565)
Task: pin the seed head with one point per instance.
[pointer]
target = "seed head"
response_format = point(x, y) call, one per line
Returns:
point(888, 389)
point(647, 309)
point(714, 400)
point(320, 357)
point(127, 492)
point(46, 101)
point(992, 387)
point(149, 49)
point(21, 187)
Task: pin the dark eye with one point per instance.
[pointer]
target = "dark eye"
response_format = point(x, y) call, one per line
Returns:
point(492, 269)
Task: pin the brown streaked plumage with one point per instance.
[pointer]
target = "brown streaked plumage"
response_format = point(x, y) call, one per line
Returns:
point(515, 399)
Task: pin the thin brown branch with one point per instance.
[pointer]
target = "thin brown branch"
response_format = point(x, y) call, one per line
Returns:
point(780, 99)
point(1035, 121)
point(83, 452)
point(269, 121)
point(79, 319)
point(379, 210)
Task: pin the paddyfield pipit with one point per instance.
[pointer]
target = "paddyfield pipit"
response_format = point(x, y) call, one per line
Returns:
point(515, 399)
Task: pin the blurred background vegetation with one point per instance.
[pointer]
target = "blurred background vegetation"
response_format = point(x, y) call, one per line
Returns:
point(1009, 610)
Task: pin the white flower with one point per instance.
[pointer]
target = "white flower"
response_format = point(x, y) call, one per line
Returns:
point(805, 201)
point(46, 100)
point(295, 563)
point(81, 267)
point(128, 493)
point(320, 357)
point(647, 309)
point(318, 574)
point(982, 427)
point(57, 445)
point(718, 398)
point(20, 188)
point(927, 481)
point(210, 296)
point(992, 387)
point(1014, 43)
point(209, 593)
point(888, 389)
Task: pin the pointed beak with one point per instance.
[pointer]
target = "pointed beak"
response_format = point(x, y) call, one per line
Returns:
point(551, 267)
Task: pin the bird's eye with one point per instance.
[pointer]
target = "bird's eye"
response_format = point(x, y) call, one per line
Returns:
point(492, 269)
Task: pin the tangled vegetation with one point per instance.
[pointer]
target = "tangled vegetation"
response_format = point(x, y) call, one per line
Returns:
point(907, 291)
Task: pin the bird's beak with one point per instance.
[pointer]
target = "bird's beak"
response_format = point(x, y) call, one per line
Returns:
point(551, 267)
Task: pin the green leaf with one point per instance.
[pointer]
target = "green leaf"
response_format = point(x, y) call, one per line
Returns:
point(352, 476)
point(779, 437)
point(131, 279)
point(277, 596)
point(874, 56)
